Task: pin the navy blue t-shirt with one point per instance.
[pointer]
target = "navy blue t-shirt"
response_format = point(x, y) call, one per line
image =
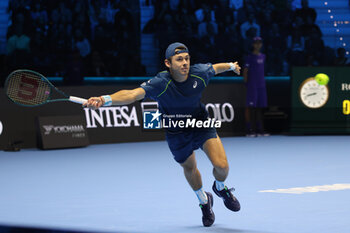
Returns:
point(180, 97)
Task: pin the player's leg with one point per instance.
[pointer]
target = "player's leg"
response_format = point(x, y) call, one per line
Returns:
point(250, 113)
point(250, 119)
point(194, 178)
point(191, 172)
point(181, 147)
point(261, 104)
point(216, 153)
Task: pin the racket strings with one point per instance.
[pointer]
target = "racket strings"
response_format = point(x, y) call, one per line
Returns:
point(27, 88)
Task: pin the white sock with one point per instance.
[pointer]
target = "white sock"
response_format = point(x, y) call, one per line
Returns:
point(202, 196)
point(219, 185)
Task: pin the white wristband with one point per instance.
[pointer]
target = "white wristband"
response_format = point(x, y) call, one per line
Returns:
point(107, 99)
point(232, 66)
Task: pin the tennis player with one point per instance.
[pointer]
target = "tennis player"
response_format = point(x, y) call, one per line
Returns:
point(178, 91)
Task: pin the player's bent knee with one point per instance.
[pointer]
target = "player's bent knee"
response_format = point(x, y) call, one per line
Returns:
point(189, 165)
point(221, 165)
point(190, 168)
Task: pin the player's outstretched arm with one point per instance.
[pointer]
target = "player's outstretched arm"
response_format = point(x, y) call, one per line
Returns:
point(222, 67)
point(122, 97)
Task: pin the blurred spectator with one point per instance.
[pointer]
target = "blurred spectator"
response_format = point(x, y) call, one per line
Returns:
point(75, 70)
point(112, 29)
point(309, 27)
point(41, 25)
point(97, 66)
point(208, 44)
point(314, 45)
point(296, 44)
point(18, 42)
point(311, 61)
point(295, 4)
point(206, 25)
point(222, 12)
point(305, 11)
point(18, 48)
point(328, 56)
point(229, 36)
point(283, 16)
point(81, 22)
point(236, 4)
point(185, 20)
point(38, 13)
point(82, 43)
point(38, 47)
point(22, 19)
point(275, 47)
point(203, 12)
point(241, 15)
point(17, 7)
point(93, 13)
point(108, 11)
point(341, 59)
point(248, 25)
point(65, 13)
point(123, 20)
point(174, 5)
point(166, 32)
point(3, 69)
point(161, 12)
point(103, 40)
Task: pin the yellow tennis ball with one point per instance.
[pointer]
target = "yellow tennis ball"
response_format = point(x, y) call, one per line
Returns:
point(322, 79)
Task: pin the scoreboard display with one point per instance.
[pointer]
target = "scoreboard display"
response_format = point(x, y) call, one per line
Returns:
point(318, 109)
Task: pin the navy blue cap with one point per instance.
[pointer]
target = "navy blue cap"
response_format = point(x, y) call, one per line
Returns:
point(170, 51)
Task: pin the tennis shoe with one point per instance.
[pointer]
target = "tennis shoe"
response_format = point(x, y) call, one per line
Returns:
point(263, 134)
point(226, 195)
point(251, 135)
point(208, 217)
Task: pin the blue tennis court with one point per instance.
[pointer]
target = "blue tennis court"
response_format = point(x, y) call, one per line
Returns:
point(284, 184)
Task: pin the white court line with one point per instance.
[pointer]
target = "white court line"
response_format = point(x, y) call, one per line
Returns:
point(309, 189)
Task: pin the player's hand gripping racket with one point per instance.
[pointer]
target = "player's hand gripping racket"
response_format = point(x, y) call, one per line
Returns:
point(29, 88)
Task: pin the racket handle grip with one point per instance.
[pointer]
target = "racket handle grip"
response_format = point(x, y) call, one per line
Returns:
point(77, 100)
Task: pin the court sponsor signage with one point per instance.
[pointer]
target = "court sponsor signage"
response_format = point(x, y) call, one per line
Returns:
point(331, 114)
point(224, 102)
point(76, 130)
point(62, 132)
point(127, 116)
point(345, 86)
point(222, 112)
point(117, 116)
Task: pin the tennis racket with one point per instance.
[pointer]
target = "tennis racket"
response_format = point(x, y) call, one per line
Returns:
point(29, 88)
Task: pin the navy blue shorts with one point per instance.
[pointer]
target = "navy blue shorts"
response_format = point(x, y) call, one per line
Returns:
point(256, 97)
point(182, 144)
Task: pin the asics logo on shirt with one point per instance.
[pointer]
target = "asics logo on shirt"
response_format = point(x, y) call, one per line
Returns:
point(195, 84)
